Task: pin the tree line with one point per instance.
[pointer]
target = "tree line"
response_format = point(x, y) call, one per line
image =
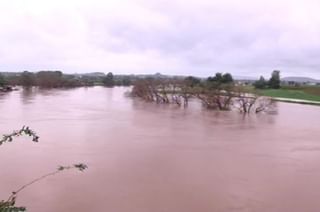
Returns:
point(273, 82)
point(56, 79)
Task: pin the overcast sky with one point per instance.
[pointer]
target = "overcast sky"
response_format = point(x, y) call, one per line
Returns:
point(188, 37)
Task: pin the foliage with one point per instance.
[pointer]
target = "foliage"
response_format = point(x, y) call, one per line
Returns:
point(192, 81)
point(49, 79)
point(221, 78)
point(23, 131)
point(2, 81)
point(6, 206)
point(274, 81)
point(126, 81)
point(227, 78)
point(108, 80)
point(9, 204)
point(27, 79)
point(261, 83)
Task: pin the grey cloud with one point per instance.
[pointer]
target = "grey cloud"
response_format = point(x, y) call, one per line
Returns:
point(174, 37)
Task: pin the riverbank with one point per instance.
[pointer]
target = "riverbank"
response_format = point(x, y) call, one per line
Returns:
point(7, 89)
point(301, 95)
point(298, 101)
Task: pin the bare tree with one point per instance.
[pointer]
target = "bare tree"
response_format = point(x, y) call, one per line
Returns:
point(247, 102)
point(213, 95)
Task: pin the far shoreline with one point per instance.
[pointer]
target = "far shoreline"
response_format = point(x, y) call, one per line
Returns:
point(296, 101)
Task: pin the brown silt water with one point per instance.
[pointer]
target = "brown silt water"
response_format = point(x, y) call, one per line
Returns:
point(144, 157)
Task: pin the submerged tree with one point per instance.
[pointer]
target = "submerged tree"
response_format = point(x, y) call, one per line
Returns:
point(216, 96)
point(251, 102)
point(212, 93)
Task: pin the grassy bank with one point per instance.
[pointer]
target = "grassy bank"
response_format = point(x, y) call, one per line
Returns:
point(303, 93)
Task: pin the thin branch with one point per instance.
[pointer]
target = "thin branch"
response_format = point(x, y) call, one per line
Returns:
point(23, 131)
point(80, 167)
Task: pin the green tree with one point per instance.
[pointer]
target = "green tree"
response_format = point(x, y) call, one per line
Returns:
point(261, 83)
point(109, 80)
point(126, 81)
point(50, 79)
point(27, 79)
point(227, 78)
point(217, 78)
point(221, 78)
point(274, 81)
point(2, 81)
point(192, 81)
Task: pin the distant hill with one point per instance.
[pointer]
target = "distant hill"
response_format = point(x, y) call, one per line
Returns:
point(241, 78)
point(300, 79)
point(94, 74)
point(8, 74)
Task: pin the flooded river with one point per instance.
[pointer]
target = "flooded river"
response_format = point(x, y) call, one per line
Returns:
point(144, 157)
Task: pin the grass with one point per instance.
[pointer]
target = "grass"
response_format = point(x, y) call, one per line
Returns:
point(311, 93)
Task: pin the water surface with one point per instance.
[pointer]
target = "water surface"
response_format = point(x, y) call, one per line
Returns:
point(154, 158)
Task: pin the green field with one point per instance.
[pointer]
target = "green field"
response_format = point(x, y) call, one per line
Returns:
point(311, 93)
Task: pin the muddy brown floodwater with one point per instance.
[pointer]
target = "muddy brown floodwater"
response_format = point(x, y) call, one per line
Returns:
point(154, 158)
